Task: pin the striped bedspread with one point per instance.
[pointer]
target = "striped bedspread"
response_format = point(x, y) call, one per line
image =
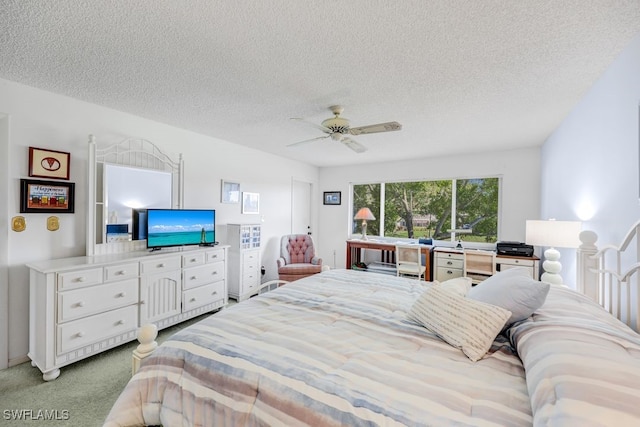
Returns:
point(582, 365)
point(335, 349)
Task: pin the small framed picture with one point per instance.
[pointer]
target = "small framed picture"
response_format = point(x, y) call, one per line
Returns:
point(46, 196)
point(332, 198)
point(230, 192)
point(250, 203)
point(48, 163)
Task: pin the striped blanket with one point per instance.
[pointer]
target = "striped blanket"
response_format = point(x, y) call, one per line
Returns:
point(336, 349)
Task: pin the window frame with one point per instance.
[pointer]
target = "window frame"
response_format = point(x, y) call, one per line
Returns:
point(380, 216)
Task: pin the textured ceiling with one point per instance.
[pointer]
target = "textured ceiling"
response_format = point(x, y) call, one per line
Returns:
point(461, 76)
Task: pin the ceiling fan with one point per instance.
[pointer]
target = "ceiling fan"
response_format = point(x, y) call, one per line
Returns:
point(337, 128)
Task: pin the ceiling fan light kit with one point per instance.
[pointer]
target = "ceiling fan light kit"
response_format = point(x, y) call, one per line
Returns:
point(338, 127)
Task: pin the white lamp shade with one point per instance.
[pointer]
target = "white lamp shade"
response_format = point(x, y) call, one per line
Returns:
point(552, 233)
point(365, 213)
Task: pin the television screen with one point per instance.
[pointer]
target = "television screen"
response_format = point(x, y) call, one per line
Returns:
point(179, 227)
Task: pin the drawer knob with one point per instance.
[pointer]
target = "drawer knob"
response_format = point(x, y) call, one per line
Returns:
point(122, 272)
point(193, 260)
point(80, 334)
point(214, 293)
point(194, 277)
point(122, 295)
point(449, 272)
point(81, 279)
point(213, 273)
point(214, 256)
point(120, 322)
point(449, 263)
point(161, 265)
point(192, 300)
point(80, 304)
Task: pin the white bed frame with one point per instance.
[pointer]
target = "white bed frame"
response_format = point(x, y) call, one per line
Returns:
point(610, 275)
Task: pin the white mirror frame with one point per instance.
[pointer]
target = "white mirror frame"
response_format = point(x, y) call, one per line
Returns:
point(138, 153)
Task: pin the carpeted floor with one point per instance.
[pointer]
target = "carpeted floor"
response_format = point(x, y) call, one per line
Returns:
point(81, 396)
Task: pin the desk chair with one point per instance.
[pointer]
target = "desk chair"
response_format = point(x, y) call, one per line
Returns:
point(479, 264)
point(409, 261)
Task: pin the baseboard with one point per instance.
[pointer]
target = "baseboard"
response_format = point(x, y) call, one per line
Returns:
point(18, 360)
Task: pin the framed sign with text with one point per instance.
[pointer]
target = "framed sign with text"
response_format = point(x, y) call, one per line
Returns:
point(46, 196)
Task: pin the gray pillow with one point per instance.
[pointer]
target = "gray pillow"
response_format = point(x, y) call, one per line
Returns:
point(513, 290)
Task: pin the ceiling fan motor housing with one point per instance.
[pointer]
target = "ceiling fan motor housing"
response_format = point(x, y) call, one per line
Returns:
point(337, 125)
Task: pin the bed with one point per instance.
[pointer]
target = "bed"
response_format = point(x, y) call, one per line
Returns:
point(353, 348)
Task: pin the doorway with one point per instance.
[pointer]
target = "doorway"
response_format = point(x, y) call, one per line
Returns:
point(301, 207)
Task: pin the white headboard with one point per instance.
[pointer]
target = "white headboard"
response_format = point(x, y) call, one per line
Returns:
point(610, 274)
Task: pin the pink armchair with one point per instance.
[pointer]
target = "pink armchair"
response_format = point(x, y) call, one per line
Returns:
point(297, 258)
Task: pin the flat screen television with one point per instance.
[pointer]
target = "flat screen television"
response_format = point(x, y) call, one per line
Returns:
point(180, 227)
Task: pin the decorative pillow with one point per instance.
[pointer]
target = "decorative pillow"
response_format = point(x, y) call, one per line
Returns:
point(513, 290)
point(469, 325)
point(459, 285)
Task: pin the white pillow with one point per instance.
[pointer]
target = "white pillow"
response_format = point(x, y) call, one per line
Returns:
point(469, 325)
point(513, 290)
point(459, 285)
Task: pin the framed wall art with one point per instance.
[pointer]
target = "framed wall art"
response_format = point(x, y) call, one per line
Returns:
point(332, 198)
point(46, 196)
point(250, 203)
point(230, 192)
point(48, 163)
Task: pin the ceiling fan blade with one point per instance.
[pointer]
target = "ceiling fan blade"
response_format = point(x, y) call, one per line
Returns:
point(354, 145)
point(380, 127)
point(308, 140)
point(315, 125)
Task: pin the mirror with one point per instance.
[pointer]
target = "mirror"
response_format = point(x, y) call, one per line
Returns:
point(128, 188)
point(132, 174)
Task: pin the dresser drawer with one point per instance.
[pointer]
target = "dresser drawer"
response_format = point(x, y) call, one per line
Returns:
point(193, 259)
point(159, 265)
point(450, 263)
point(92, 329)
point(79, 279)
point(444, 273)
point(197, 276)
point(215, 255)
point(120, 272)
point(515, 262)
point(96, 299)
point(203, 295)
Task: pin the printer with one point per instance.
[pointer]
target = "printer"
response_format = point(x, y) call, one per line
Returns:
point(514, 249)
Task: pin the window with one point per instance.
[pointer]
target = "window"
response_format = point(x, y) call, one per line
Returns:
point(465, 209)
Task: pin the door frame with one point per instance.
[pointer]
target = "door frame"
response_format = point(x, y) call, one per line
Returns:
point(295, 180)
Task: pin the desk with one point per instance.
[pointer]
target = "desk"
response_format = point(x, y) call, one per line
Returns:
point(387, 253)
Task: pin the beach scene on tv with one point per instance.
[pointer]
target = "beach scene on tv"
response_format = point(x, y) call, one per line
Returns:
point(180, 227)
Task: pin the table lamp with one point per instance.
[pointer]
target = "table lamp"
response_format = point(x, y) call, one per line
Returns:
point(553, 234)
point(365, 215)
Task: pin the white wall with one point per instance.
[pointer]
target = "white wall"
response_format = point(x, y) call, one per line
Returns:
point(4, 241)
point(46, 120)
point(520, 197)
point(590, 163)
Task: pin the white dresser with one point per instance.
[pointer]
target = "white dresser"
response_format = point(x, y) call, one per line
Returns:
point(84, 305)
point(244, 260)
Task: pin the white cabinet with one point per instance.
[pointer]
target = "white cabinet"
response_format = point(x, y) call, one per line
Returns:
point(244, 260)
point(448, 265)
point(82, 306)
point(504, 262)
